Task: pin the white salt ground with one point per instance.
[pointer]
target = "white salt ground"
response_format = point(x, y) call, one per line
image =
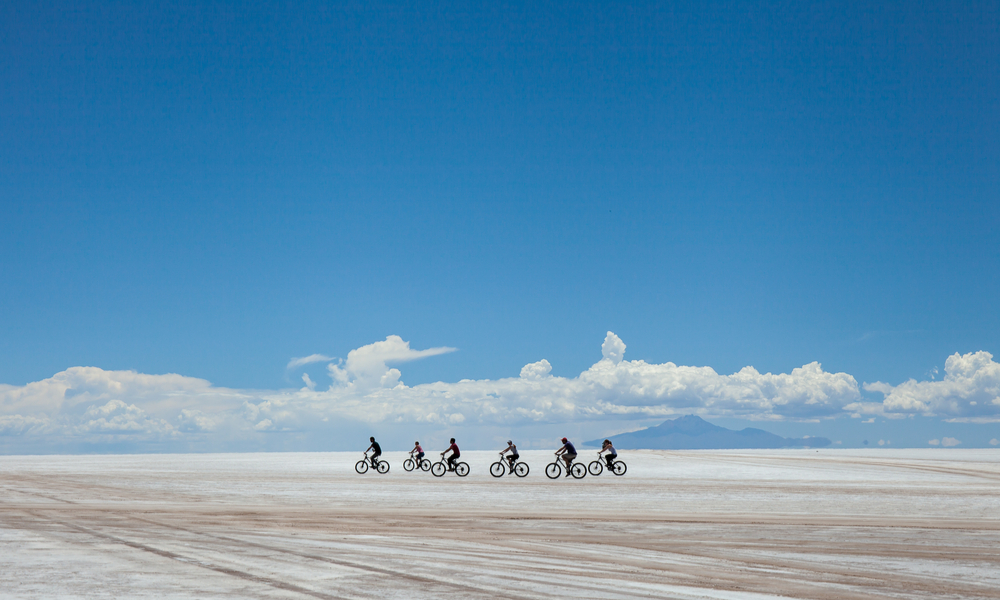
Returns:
point(688, 524)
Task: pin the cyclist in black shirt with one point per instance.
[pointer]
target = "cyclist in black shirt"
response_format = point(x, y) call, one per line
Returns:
point(376, 452)
point(568, 453)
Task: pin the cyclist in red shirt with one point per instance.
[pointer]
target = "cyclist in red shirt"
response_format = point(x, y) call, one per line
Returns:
point(455, 453)
point(417, 453)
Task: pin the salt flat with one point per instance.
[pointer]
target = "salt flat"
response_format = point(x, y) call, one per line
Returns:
point(693, 524)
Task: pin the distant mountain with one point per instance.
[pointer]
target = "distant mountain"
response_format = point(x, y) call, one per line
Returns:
point(694, 433)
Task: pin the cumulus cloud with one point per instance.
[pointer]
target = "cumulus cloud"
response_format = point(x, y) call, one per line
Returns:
point(86, 386)
point(91, 403)
point(613, 348)
point(536, 370)
point(195, 421)
point(366, 388)
point(120, 418)
point(367, 366)
point(969, 391)
point(24, 425)
point(994, 442)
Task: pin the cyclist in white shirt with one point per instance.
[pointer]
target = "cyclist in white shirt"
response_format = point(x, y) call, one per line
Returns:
point(611, 455)
point(513, 454)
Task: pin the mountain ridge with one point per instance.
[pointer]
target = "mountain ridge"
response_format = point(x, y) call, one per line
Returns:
point(691, 432)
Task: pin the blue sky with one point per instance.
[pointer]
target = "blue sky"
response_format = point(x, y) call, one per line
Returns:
point(212, 190)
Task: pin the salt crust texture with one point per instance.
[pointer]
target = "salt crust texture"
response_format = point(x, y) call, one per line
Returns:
point(695, 524)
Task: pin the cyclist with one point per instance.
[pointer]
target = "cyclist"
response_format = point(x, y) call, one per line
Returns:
point(455, 453)
point(611, 455)
point(376, 452)
point(568, 453)
point(417, 454)
point(513, 454)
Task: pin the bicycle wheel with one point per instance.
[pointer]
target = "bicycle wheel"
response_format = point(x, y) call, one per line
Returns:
point(578, 470)
point(383, 466)
point(497, 469)
point(595, 468)
point(521, 469)
point(438, 469)
point(361, 466)
point(462, 469)
point(553, 470)
point(409, 465)
point(425, 465)
point(620, 468)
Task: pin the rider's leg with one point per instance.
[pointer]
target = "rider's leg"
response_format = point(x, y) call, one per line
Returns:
point(611, 461)
point(569, 463)
point(451, 463)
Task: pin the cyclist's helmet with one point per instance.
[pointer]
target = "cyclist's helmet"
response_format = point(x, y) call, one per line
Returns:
point(564, 440)
point(510, 443)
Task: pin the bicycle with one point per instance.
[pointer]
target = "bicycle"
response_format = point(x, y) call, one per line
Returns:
point(438, 469)
point(498, 468)
point(554, 470)
point(411, 463)
point(597, 467)
point(381, 466)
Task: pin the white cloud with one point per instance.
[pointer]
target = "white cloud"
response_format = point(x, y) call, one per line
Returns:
point(310, 384)
point(949, 441)
point(24, 425)
point(613, 348)
point(367, 366)
point(994, 442)
point(117, 417)
point(979, 420)
point(91, 403)
point(85, 386)
point(307, 360)
point(195, 420)
point(368, 389)
point(934, 442)
point(970, 389)
point(536, 370)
